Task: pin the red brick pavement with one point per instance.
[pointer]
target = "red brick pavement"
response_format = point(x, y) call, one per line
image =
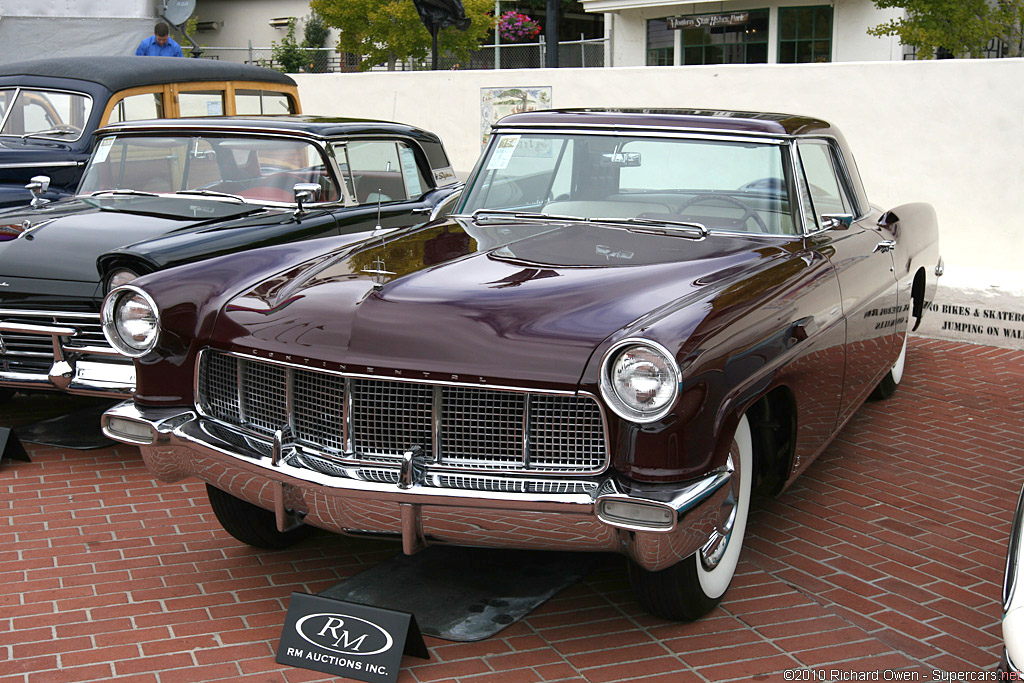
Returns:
point(886, 554)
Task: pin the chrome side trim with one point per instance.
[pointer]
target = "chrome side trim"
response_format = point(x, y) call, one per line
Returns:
point(48, 164)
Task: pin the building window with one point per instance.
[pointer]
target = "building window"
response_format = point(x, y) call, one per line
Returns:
point(660, 43)
point(805, 34)
point(745, 43)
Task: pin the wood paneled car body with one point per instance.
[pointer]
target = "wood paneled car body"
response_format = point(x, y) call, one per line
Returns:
point(633, 322)
point(157, 194)
point(49, 108)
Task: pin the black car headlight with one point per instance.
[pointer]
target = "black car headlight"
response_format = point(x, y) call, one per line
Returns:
point(121, 276)
point(639, 380)
point(131, 321)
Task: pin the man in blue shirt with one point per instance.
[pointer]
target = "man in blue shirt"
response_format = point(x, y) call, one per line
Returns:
point(160, 44)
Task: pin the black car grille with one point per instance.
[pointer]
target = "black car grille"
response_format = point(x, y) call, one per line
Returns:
point(464, 428)
point(22, 352)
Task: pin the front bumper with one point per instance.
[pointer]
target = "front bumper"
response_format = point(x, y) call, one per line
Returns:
point(176, 444)
point(69, 372)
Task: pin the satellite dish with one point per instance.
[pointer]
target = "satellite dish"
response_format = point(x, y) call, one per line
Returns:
point(178, 11)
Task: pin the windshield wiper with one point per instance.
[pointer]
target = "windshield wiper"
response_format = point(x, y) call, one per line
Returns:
point(56, 130)
point(527, 215)
point(700, 228)
point(131, 193)
point(656, 222)
point(213, 193)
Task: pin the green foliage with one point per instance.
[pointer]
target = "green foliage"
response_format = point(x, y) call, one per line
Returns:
point(292, 57)
point(314, 35)
point(379, 31)
point(287, 54)
point(964, 27)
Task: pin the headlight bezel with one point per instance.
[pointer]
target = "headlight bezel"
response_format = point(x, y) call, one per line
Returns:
point(108, 319)
point(620, 406)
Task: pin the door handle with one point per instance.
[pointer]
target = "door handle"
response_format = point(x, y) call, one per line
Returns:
point(884, 246)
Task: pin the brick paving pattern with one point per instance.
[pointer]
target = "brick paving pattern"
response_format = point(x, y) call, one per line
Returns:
point(887, 554)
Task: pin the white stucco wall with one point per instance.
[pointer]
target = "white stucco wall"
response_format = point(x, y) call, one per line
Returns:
point(921, 131)
point(245, 20)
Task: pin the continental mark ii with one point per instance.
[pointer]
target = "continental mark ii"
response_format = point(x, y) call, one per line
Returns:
point(633, 323)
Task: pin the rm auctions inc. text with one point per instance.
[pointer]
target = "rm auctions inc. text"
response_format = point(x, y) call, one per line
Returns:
point(893, 675)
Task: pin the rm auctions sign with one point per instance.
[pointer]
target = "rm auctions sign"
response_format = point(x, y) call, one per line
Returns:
point(347, 639)
point(709, 20)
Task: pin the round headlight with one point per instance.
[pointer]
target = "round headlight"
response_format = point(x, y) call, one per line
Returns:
point(121, 276)
point(639, 380)
point(131, 322)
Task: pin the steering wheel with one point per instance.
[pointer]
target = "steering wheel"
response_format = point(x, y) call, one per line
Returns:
point(748, 211)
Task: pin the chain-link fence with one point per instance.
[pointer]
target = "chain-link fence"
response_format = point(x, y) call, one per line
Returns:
point(575, 53)
point(320, 60)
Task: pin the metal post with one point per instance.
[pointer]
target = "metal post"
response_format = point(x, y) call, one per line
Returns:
point(497, 35)
point(551, 33)
point(250, 52)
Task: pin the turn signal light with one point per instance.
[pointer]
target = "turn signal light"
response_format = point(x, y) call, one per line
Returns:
point(630, 514)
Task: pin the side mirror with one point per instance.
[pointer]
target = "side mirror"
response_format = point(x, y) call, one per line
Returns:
point(305, 192)
point(38, 185)
point(836, 221)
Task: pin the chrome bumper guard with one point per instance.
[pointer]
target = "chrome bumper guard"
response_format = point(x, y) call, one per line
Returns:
point(656, 525)
point(68, 372)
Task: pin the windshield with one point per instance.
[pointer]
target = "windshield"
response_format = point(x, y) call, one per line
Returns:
point(44, 113)
point(721, 184)
point(250, 169)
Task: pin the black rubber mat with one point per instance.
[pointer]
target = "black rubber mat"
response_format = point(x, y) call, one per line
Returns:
point(79, 430)
point(466, 594)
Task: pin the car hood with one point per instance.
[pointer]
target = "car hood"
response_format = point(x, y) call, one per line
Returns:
point(61, 241)
point(514, 304)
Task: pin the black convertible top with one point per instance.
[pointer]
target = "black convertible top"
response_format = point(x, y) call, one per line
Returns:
point(118, 73)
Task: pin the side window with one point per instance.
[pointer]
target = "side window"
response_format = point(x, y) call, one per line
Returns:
point(255, 102)
point(201, 103)
point(376, 170)
point(148, 105)
point(821, 173)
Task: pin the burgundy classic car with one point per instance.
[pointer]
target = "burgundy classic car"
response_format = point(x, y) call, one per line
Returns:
point(633, 323)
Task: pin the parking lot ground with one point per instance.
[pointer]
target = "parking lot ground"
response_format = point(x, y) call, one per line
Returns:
point(885, 556)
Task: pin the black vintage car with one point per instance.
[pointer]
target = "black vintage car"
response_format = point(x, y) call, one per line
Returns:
point(157, 194)
point(50, 108)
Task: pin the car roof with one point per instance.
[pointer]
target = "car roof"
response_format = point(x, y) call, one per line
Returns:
point(721, 121)
point(304, 124)
point(119, 72)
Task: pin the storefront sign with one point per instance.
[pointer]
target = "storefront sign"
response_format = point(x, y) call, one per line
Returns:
point(347, 639)
point(709, 20)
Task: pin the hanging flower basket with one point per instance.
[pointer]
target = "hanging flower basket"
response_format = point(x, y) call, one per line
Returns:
point(517, 28)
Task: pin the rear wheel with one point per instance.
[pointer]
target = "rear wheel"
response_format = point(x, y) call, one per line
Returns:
point(887, 387)
point(252, 524)
point(690, 589)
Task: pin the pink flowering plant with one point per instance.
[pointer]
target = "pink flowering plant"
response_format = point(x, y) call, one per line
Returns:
point(515, 27)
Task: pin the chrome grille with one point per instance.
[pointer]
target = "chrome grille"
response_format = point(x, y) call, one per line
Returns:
point(265, 395)
point(318, 417)
point(391, 417)
point(27, 352)
point(482, 426)
point(357, 420)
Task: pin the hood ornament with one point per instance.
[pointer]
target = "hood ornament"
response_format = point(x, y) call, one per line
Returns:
point(378, 270)
point(378, 273)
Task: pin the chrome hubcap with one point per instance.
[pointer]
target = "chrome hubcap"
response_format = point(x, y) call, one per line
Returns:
point(713, 551)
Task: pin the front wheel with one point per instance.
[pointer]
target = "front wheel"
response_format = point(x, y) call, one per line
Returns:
point(251, 524)
point(690, 589)
point(887, 387)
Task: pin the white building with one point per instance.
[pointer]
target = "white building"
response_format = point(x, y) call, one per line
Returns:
point(33, 29)
point(684, 32)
